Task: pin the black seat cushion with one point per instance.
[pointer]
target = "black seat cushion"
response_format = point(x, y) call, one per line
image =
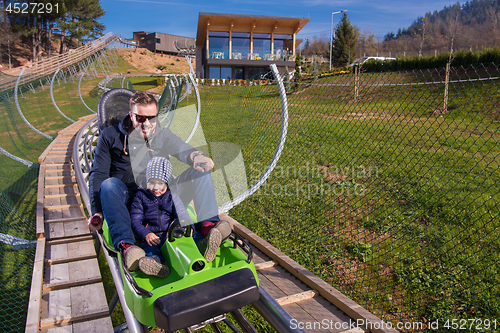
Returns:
point(113, 107)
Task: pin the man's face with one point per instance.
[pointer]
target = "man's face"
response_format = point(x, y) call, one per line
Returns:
point(144, 117)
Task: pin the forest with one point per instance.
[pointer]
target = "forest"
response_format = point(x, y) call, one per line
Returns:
point(41, 24)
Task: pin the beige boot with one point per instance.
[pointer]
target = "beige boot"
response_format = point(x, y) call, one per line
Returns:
point(210, 244)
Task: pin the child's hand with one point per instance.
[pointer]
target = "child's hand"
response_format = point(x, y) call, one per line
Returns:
point(152, 239)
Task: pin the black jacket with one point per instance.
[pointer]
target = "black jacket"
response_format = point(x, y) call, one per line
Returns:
point(112, 156)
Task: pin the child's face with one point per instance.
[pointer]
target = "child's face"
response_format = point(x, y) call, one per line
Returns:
point(158, 187)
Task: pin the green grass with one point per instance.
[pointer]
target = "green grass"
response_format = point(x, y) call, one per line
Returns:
point(389, 201)
point(411, 230)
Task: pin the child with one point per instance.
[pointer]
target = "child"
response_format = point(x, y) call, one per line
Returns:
point(152, 211)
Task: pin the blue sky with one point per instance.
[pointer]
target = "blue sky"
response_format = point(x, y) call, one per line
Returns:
point(180, 17)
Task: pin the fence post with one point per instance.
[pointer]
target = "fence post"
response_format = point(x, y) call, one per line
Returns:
point(446, 87)
point(356, 82)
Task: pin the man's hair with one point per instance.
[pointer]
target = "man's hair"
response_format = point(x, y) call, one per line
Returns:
point(142, 98)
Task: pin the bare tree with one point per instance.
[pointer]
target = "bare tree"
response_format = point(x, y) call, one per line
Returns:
point(367, 44)
point(423, 35)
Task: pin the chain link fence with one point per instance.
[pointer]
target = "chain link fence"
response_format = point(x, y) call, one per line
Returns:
point(29, 123)
point(388, 186)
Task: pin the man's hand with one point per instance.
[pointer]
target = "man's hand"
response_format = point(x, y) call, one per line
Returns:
point(95, 221)
point(202, 163)
point(152, 239)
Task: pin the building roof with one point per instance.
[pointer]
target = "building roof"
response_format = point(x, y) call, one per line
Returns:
point(248, 23)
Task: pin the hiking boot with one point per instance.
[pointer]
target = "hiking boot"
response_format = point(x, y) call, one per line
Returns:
point(150, 266)
point(225, 230)
point(210, 244)
point(131, 255)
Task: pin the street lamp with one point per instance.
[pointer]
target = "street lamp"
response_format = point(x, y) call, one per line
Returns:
point(331, 36)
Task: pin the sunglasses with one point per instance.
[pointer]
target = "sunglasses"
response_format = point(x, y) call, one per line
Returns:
point(142, 119)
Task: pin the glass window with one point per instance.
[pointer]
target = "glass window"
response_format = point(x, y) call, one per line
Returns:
point(282, 46)
point(262, 47)
point(214, 72)
point(264, 36)
point(218, 72)
point(256, 73)
point(238, 73)
point(218, 34)
point(240, 35)
point(218, 44)
point(225, 73)
point(240, 45)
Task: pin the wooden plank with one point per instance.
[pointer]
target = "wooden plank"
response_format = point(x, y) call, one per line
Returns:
point(61, 177)
point(320, 309)
point(49, 160)
point(33, 315)
point(54, 230)
point(40, 229)
point(265, 265)
point(84, 269)
point(98, 325)
point(59, 156)
point(354, 330)
point(60, 303)
point(297, 297)
point(42, 156)
point(304, 320)
point(64, 213)
point(67, 240)
point(63, 329)
point(77, 229)
point(71, 283)
point(270, 287)
point(62, 164)
point(90, 297)
point(259, 257)
point(69, 319)
point(61, 195)
point(69, 219)
point(60, 185)
point(67, 231)
point(69, 259)
point(62, 167)
point(283, 280)
point(61, 206)
point(56, 251)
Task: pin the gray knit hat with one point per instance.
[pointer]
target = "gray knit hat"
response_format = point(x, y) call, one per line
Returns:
point(159, 168)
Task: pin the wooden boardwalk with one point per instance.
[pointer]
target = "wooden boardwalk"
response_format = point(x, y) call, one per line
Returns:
point(67, 294)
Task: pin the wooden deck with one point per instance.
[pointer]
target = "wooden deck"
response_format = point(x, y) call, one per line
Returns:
point(67, 294)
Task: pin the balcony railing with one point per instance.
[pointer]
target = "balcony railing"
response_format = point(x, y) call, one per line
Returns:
point(278, 56)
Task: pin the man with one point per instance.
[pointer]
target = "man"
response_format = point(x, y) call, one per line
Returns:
point(120, 160)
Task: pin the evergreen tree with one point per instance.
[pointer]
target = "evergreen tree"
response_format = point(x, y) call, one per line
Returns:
point(80, 20)
point(344, 45)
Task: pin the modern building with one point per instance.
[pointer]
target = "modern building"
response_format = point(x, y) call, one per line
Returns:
point(232, 46)
point(160, 42)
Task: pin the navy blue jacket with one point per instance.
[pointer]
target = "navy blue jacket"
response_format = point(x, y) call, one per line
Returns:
point(149, 213)
point(112, 157)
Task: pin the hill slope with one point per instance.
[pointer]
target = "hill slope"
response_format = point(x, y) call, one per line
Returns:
point(474, 25)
